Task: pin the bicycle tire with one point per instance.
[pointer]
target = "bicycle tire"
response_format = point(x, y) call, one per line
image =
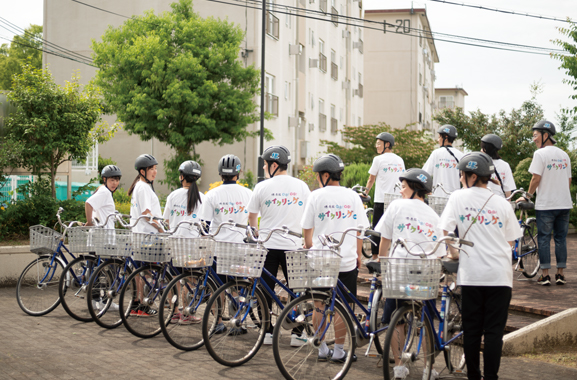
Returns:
point(404, 337)
point(103, 290)
point(377, 309)
point(73, 287)
point(182, 334)
point(304, 362)
point(367, 245)
point(241, 339)
point(37, 287)
point(529, 262)
point(454, 353)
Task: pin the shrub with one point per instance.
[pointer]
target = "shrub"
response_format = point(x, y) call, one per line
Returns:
point(357, 174)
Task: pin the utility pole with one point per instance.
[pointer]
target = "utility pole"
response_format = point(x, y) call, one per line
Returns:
point(262, 94)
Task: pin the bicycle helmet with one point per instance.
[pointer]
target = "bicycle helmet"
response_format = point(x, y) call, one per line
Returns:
point(478, 163)
point(448, 130)
point(278, 154)
point(190, 168)
point(493, 140)
point(110, 171)
point(545, 126)
point(229, 165)
point(419, 176)
point(329, 163)
point(144, 161)
point(386, 137)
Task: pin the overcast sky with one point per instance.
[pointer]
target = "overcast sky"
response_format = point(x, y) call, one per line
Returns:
point(494, 79)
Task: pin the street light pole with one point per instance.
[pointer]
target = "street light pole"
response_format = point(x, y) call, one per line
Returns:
point(262, 94)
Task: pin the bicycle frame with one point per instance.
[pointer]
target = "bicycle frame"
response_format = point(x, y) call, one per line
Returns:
point(515, 249)
point(56, 255)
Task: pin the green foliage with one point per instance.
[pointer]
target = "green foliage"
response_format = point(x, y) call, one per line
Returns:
point(53, 123)
point(10, 151)
point(121, 195)
point(308, 176)
point(357, 174)
point(569, 61)
point(24, 48)
point(249, 179)
point(521, 173)
point(177, 77)
point(413, 146)
point(171, 169)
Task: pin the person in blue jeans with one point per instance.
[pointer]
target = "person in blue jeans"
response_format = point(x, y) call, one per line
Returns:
point(551, 170)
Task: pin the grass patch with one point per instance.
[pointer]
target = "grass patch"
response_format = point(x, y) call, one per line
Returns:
point(562, 355)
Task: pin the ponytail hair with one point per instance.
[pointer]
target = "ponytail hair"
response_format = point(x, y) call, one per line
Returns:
point(193, 195)
point(133, 185)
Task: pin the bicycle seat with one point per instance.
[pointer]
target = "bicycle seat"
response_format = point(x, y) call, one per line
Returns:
point(373, 267)
point(525, 206)
point(451, 266)
point(365, 199)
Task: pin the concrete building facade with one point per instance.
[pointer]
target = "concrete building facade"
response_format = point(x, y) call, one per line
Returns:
point(314, 74)
point(449, 98)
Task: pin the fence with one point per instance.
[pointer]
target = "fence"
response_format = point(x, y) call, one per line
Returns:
point(8, 189)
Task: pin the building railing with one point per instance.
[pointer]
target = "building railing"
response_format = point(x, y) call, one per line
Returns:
point(359, 91)
point(447, 104)
point(323, 62)
point(322, 122)
point(272, 25)
point(334, 125)
point(334, 16)
point(334, 71)
point(271, 105)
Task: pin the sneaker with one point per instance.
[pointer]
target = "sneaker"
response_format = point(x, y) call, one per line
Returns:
point(298, 341)
point(190, 320)
point(267, 339)
point(219, 329)
point(560, 279)
point(321, 358)
point(343, 359)
point(96, 305)
point(400, 372)
point(175, 318)
point(114, 306)
point(544, 280)
point(147, 312)
point(434, 375)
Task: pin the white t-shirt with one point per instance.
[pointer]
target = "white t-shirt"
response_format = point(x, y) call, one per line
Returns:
point(443, 167)
point(488, 263)
point(334, 209)
point(413, 221)
point(223, 203)
point(281, 202)
point(387, 168)
point(554, 167)
point(506, 174)
point(175, 212)
point(144, 198)
point(102, 205)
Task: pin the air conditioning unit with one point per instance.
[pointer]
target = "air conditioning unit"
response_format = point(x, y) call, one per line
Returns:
point(357, 45)
point(311, 127)
point(356, 92)
point(293, 121)
point(295, 49)
point(346, 33)
point(305, 148)
point(346, 85)
point(313, 63)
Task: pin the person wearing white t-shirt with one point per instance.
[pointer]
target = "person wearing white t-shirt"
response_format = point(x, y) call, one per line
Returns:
point(411, 219)
point(333, 209)
point(551, 180)
point(101, 203)
point(385, 172)
point(502, 180)
point(280, 200)
point(144, 200)
point(442, 163)
point(484, 273)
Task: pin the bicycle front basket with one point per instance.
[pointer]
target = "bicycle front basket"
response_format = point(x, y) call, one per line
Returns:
point(312, 268)
point(438, 203)
point(389, 197)
point(410, 278)
point(240, 259)
point(43, 239)
point(81, 239)
point(151, 248)
point(113, 242)
point(189, 252)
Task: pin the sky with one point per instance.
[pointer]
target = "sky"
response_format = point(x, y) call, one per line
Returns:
point(495, 80)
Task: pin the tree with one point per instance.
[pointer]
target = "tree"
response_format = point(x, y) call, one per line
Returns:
point(177, 77)
point(24, 48)
point(413, 146)
point(569, 61)
point(53, 124)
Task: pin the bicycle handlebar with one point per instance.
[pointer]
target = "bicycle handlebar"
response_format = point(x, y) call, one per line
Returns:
point(515, 192)
point(440, 186)
point(451, 238)
point(329, 241)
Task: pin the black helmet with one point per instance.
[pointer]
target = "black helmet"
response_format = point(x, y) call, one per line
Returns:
point(545, 126)
point(493, 140)
point(386, 137)
point(419, 176)
point(330, 163)
point(110, 171)
point(144, 161)
point(477, 162)
point(229, 165)
point(278, 154)
point(448, 130)
point(191, 168)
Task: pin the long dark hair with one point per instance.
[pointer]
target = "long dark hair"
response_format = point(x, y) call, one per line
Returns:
point(193, 195)
point(490, 150)
point(138, 176)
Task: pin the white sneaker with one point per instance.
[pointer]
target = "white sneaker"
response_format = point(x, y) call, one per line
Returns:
point(298, 341)
point(96, 305)
point(434, 375)
point(400, 372)
point(267, 340)
point(114, 306)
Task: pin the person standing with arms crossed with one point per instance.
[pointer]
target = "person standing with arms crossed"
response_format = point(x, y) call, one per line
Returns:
point(443, 161)
point(385, 172)
point(551, 170)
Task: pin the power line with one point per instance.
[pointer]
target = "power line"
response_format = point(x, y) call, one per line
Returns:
point(482, 7)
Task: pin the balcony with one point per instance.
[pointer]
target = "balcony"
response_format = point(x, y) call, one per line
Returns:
point(446, 104)
point(323, 5)
point(323, 62)
point(271, 104)
point(334, 71)
point(272, 25)
point(322, 122)
point(334, 126)
point(359, 91)
point(334, 16)
point(358, 45)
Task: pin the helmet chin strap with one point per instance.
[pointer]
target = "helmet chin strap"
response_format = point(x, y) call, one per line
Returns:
point(323, 182)
point(413, 195)
point(273, 173)
point(543, 142)
point(106, 185)
point(445, 137)
point(151, 183)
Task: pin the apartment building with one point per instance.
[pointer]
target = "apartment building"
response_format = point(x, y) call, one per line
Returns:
point(450, 98)
point(313, 64)
point(400, 57)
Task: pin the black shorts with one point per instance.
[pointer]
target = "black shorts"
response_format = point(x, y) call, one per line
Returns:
point(349, 279)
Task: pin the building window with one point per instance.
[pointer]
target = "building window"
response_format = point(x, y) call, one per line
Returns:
point(322, 56)
point(272, 25)
point(334, 14)
point(271, 100)
point(334, 66)
point(322, 116)
point(323, 5)
point(341, 115)
point(90, 163)
point(446, 102)
point(287, 90)
point(288, 18)
point(312, 34)
point(312, 101)
point(334, 121)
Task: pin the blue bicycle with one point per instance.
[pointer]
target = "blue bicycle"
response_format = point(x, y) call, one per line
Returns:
point(525, 251)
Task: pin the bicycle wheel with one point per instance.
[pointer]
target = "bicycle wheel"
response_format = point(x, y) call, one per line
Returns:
point(234, 323)
point(140, 300)
point(377, 309)
point(185, 299)
point(311, 314)
point(73, 286)
point(411, 344)
point(367, 245)
point(37, 287)
point(103, 289)
point(453, 329)
point(529, 260)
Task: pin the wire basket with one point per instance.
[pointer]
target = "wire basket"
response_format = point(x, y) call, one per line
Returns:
point(112, 242)
point(43, 239)
point(81, 239)
point(240, 259)
point(389, 198)
point(151, 248)
point(190, 252)
point(410, 278)
point(312, 268)
point(438, 203)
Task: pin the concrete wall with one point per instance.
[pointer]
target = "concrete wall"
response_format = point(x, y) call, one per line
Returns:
point(13, 260)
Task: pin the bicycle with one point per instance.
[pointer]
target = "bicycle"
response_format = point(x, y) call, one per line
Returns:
point(325, 314)
point(37, 288)
point(525, 251)
point(438, 202)
point(237, 316)
point(411, 337)
point(362, 191)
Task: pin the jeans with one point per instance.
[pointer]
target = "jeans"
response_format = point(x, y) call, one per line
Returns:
point(558, 222)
